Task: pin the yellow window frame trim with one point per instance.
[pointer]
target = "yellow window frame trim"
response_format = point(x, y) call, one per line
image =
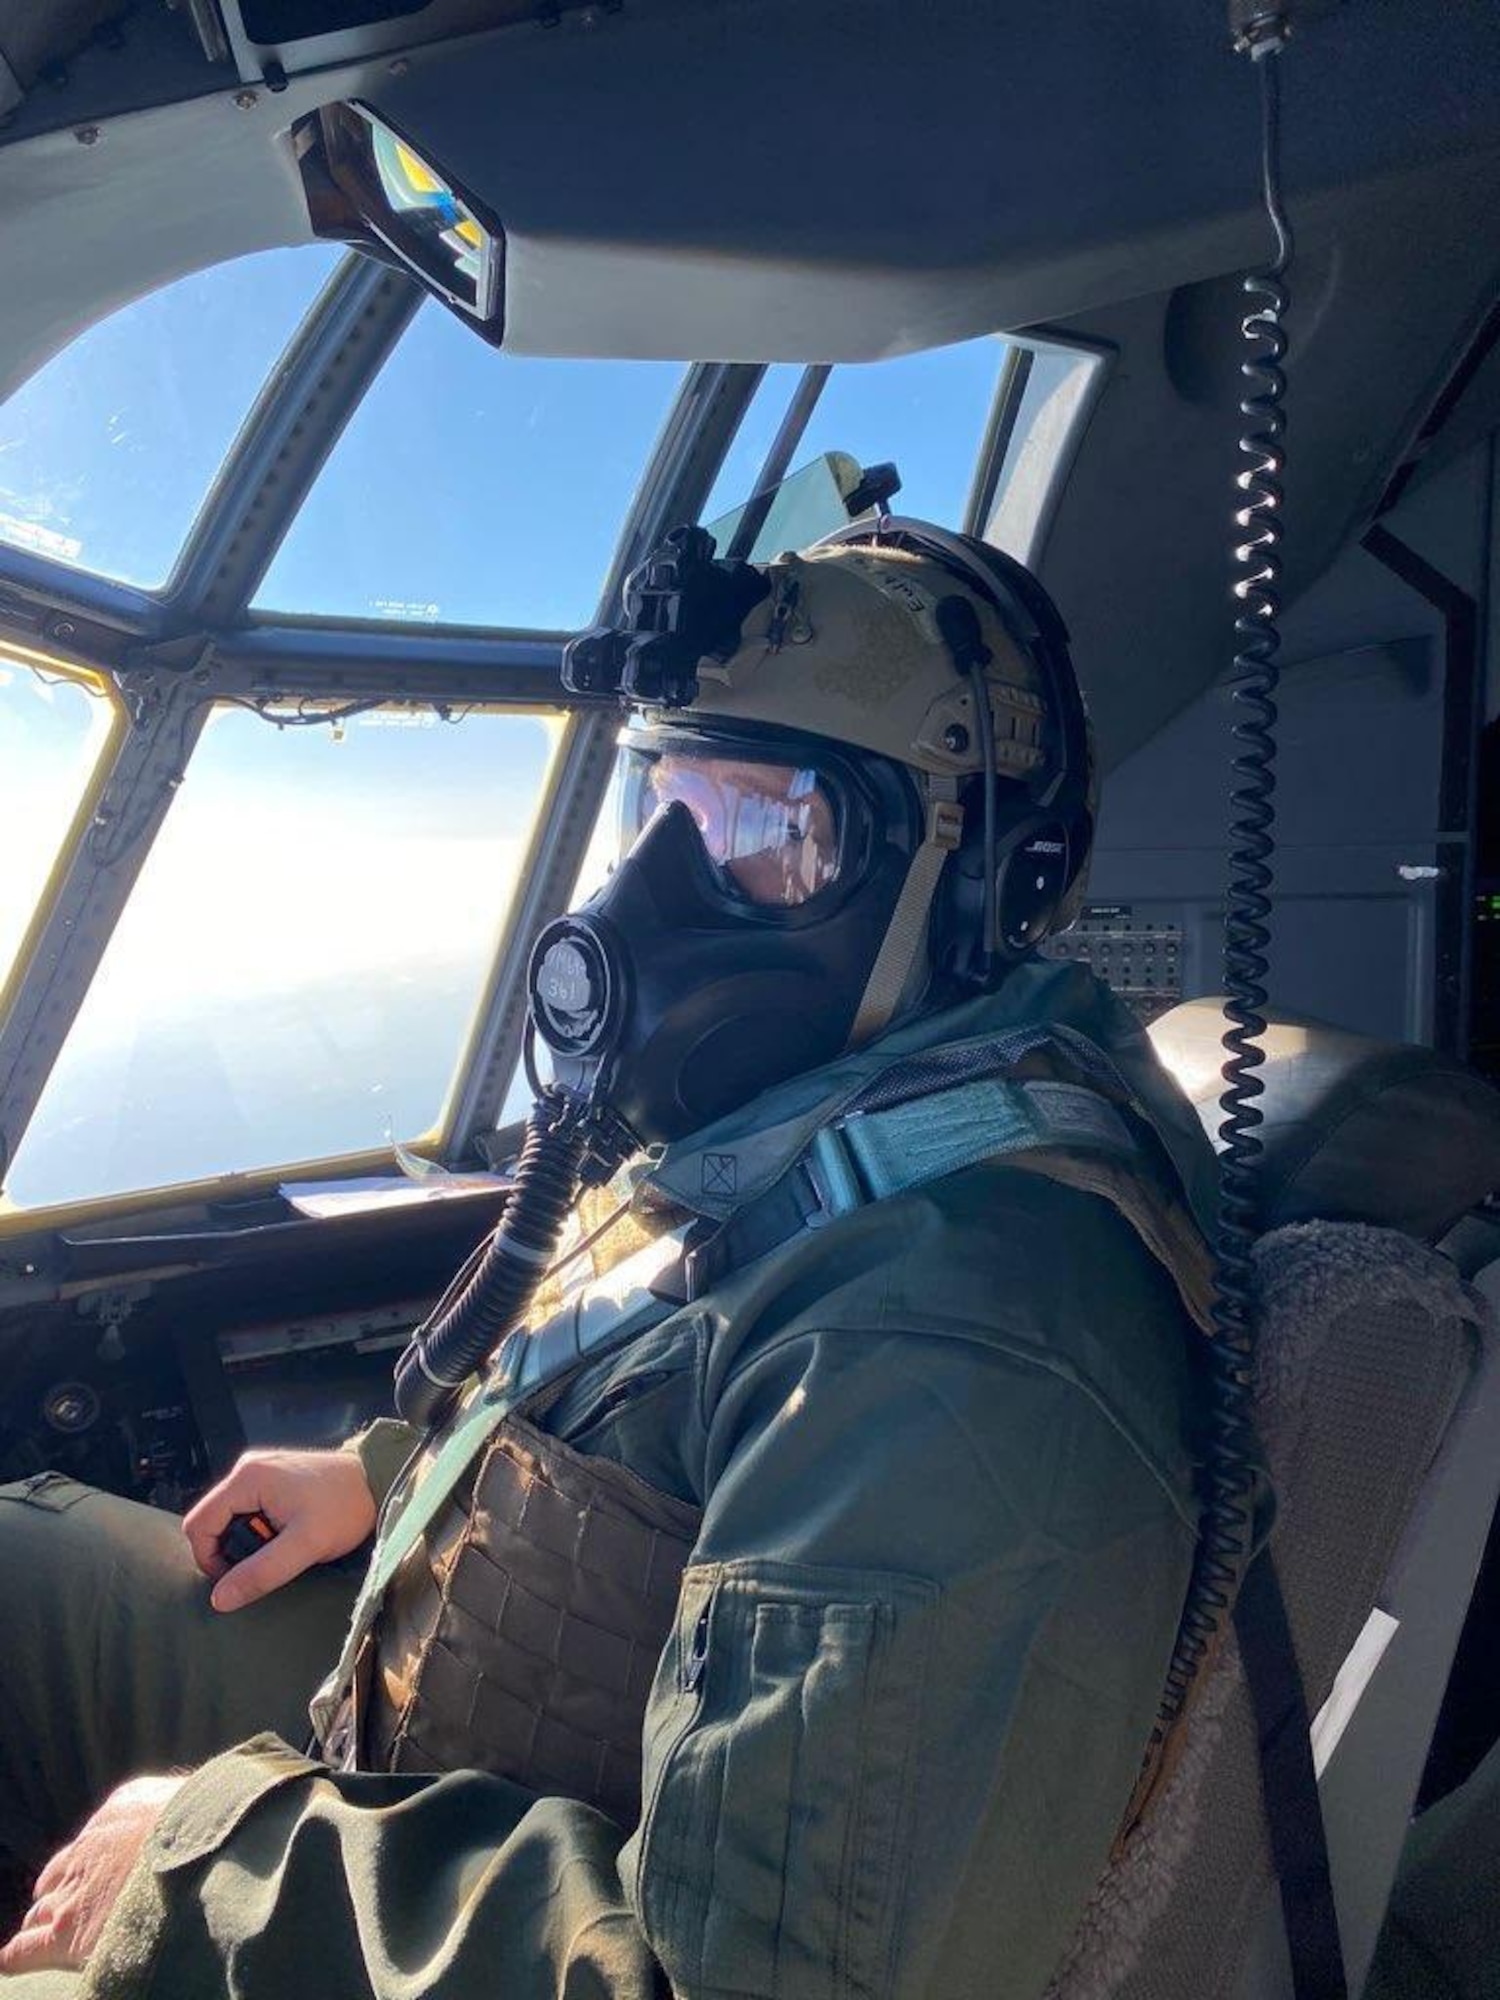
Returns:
point(96, 683)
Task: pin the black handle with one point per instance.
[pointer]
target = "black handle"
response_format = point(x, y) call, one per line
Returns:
point(246, 1535)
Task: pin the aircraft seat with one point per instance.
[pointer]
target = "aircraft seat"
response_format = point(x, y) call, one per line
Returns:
point(1378, 1403)
point(1355, 1130)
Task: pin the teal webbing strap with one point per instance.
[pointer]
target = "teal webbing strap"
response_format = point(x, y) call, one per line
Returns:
point(872, 1155)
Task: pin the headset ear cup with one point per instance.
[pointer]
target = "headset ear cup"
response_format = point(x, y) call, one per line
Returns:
point(1042, 863)
point(1033, 873)
point(1074, 896)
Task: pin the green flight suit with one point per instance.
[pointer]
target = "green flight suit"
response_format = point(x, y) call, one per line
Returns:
point(948, 1521)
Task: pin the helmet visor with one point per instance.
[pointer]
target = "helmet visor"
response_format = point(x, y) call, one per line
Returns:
point(770, 827)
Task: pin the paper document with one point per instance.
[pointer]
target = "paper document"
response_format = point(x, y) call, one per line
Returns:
point(324, 1199)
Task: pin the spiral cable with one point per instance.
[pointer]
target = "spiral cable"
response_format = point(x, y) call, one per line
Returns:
point(1230, 1456)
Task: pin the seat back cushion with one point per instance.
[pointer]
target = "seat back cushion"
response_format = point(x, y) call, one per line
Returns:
point(1368, 1342)
point(1354, 1130)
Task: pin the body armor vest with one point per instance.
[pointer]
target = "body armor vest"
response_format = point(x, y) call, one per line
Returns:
point(521, 1631)
point(521, 1635)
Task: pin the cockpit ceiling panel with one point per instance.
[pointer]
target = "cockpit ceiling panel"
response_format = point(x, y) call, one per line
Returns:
point(284, 24)
point(35, 40)
point(40, 42)
point(773, 180)
point(767, 179)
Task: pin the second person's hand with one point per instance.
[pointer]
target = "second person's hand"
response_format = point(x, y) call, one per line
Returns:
point(319, 1503)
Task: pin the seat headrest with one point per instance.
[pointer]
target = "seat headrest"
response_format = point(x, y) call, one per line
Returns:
point(1355, 1130)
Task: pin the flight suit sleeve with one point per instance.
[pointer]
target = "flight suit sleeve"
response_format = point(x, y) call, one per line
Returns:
point(915, 1661)
point(918, 1657)
point(382, 1449)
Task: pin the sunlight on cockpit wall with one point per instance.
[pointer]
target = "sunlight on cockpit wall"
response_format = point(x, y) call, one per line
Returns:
point(1191, 1044)
point(296, 971)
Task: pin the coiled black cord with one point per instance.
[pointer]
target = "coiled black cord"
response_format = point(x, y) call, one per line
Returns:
point(493, 1289)
point(1227, 1522)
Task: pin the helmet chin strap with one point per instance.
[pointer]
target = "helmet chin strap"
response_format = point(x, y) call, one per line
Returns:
point(906, 935)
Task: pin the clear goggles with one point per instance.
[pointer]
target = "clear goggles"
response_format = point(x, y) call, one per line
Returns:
point(771, 827)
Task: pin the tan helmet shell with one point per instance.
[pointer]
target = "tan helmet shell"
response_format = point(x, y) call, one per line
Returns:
point(847, 646)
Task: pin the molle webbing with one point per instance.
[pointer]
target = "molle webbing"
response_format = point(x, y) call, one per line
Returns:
point(603, 1315)
point(521, 1634)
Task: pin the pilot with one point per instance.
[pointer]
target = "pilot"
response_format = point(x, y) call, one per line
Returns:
point(784, 1605)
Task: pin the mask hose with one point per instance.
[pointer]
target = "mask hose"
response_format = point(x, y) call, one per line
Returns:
point(492, 1293)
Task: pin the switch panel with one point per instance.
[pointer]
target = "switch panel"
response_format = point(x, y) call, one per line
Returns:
point(1140, 960)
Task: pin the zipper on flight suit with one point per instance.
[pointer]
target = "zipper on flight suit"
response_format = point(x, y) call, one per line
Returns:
point(696, 1664)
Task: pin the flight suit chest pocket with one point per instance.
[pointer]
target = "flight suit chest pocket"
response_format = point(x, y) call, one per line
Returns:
point(772, 1853)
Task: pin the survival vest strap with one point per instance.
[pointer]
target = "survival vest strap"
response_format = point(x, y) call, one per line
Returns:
point(869, 1155)
point(937, 1113)
point(1289, 1785)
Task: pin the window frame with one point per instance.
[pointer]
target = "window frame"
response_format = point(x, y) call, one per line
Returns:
point(132, 787)
point(167, 656)
point(84, 814)
point(1025, 529)
point(167, 687)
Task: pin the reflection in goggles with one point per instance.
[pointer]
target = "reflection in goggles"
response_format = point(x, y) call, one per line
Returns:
point(770, 827)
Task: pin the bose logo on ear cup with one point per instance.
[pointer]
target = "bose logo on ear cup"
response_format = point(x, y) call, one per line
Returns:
point(1046, 847)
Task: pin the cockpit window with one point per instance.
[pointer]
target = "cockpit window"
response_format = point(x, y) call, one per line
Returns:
point(925, 411)
point(300, 964)
point(108, 451)
point(296, 971)
point(474, 487)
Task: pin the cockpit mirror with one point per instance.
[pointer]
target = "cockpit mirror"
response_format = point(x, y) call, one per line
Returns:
point(368, 186)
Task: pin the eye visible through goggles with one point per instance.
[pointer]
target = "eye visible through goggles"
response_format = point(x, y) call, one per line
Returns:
point(772, 828)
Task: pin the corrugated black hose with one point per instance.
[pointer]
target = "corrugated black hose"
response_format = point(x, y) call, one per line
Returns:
point(492, 1291)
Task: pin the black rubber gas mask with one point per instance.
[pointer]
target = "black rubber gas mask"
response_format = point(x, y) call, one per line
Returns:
point(729, 947)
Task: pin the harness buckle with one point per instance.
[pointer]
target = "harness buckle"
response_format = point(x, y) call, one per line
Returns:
point(833, 1172)
point(945, 824)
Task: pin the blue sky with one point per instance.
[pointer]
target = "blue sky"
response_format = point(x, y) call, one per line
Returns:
point(112, 445)
point(489, 485)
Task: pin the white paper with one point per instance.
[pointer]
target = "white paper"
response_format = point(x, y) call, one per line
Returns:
point(323, 1199)
point(1354, 1676)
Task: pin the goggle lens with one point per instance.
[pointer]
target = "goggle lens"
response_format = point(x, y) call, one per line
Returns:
point(772, 828)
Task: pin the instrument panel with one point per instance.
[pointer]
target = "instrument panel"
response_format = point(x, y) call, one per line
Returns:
point(107, 1410)
point(1140, 960)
